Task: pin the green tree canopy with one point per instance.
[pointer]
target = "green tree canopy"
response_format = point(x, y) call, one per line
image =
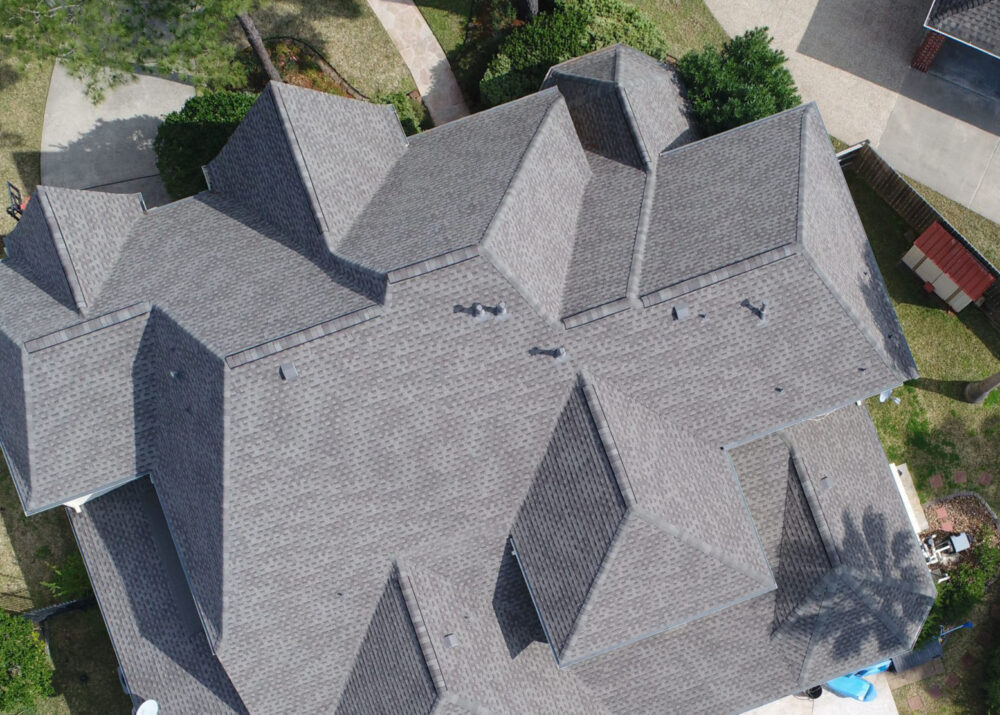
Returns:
point(745, 81)
point(104, 42)
point(25, 673)
point(571, 29)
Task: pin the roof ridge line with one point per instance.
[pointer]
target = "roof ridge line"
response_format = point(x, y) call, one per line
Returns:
point(486, 238)
point(401, 574)
point(632, 503)
point(602, 571)
point(647, 159)
point(822, 617)
point(607, 438)
point(504, 198)
point(298, 158)
point(812, 500)
point(700, 546)
point(639, 246)
point(88, 326)
point(799, 231)
point(63, 252)
point(741, 128)
point(735, 269)
point(241, 357)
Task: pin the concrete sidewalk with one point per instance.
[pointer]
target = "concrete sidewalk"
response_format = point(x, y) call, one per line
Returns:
point(853, 58)
point(423, 56)
point(830, 704)
point(108, 147)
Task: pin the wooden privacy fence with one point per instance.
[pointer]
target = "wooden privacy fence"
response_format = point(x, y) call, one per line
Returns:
point(913, 208)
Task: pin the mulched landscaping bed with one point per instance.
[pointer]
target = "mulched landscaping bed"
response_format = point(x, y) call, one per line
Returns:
point(965, 511)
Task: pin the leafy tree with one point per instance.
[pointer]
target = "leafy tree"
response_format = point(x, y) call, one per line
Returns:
point(745, 81)
point(25, 673)
point(70, 580)
point(104, 41)
point(190, 138)
point(571, 29)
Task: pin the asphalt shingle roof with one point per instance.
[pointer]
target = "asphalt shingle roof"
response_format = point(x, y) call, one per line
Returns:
point(342, 444)
point(976, 22)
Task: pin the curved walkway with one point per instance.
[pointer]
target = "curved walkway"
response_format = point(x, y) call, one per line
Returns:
point(108, 147)
point(424, 57)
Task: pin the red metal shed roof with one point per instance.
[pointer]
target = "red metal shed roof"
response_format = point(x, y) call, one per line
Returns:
point(955, 260)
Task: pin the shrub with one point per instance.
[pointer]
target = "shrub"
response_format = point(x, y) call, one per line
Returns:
point(573, 28)
point(70, 580)
point(410, 113)
point(25, 673)
point(746, 80)
point(192, 137)
point(958, 595)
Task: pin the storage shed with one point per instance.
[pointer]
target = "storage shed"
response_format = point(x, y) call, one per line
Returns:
point(949, 267)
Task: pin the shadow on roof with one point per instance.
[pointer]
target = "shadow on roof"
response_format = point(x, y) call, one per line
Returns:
point(512, 605)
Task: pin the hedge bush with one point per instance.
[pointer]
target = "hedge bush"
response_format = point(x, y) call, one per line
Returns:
point(191, 138)
point(967, 586)
point(410, 116)
point(745, 81)
point(571, 29)
point(25, 673)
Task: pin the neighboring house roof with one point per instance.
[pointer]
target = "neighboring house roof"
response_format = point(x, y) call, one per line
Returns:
point(342, 443)
point(974, 22)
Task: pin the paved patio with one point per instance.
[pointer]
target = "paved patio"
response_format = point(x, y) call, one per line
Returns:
point(830, 704)
point(108, 146)
point(852, 57)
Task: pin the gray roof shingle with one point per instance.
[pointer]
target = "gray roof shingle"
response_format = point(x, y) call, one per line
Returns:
point(146, 604)
point(976, 22)
point(335, 527)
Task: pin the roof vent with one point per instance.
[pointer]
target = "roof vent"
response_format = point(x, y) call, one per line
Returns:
point(450, 640)
point(500, 312)
point(825, 484)
point(288, 372)
point(175, 374)
point(759, 312)
point(681, 311)
point(478, 311)
point(560, 354)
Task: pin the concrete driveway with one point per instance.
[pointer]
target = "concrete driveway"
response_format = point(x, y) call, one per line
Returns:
point(853, 58)
point(108, 147)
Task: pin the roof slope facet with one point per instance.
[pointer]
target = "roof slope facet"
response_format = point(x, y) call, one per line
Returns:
point(633, 498)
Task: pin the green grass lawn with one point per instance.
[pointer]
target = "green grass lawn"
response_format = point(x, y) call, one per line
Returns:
point(348, 35)
point(22, 105)
point(685, 24)
point(933, 430)
point(447, 20)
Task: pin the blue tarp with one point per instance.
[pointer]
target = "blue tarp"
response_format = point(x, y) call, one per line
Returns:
point(855, 686)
